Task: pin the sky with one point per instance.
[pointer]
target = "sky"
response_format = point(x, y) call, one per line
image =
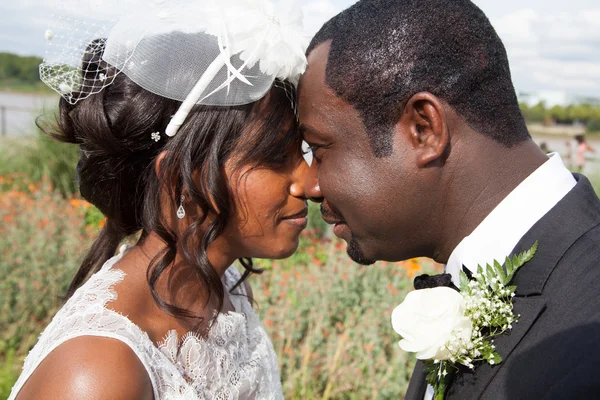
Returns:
point(552, 45)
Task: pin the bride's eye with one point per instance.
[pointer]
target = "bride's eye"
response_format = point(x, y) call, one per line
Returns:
point(280, 159)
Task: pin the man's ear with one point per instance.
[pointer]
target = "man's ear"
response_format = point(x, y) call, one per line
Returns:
point(424, 121)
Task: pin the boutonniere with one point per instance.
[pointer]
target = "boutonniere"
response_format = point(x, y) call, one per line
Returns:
point(448, 328)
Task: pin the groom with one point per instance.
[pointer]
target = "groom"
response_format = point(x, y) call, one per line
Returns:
point(420, 149)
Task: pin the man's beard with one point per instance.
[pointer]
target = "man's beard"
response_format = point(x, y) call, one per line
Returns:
point(356, 254)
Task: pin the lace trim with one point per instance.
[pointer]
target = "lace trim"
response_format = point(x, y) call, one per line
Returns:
point(235, 361)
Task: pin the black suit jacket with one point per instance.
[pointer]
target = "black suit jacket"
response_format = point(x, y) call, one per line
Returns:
point(553, 352)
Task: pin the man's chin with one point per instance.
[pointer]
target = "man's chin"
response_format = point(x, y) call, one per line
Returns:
point(356, 254)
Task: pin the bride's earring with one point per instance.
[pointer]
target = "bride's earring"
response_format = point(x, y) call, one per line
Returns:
point(181, 210)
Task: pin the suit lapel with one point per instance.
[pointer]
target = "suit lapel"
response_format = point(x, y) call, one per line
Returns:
point(572, 217)
point(417, 385)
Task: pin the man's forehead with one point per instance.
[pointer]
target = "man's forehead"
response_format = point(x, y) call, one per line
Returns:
point(314, 78)
point(321, 110)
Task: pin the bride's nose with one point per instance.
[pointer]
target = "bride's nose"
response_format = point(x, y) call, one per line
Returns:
point(298, 182)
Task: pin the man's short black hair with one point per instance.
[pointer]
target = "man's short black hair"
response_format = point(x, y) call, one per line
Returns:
point(384, 51)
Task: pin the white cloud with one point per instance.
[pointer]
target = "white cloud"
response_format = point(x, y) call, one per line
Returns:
point(553, 50)
point(517, 25)
point(316, 13)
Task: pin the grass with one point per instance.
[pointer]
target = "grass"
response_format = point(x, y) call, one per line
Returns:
point(38, 158)
point(20, 86)
point(42, 238)
point(328, 319)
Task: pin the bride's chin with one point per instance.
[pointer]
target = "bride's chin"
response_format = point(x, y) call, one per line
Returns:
point(285, 250)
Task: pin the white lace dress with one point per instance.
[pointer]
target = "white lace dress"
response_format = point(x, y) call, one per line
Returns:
point(235, 361)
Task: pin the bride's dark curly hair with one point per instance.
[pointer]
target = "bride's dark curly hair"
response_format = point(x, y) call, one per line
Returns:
point(117, 172)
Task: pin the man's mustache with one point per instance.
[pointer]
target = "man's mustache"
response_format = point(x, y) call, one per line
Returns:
point(331, 215)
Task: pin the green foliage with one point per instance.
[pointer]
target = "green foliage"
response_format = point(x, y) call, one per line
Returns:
point(536, 113)
point(585, 113)
point(9, 373)
point(595, 181)
point(44, 158)
point(329, 323)
point(517, 262)
point(21, 73)
point(94, 217)
point(42, 240)
point(439, 375)
point(20, 68)
point(315, 222)
point(593, 126)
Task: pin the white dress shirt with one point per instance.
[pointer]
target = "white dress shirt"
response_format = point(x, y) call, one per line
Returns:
point(498, 234)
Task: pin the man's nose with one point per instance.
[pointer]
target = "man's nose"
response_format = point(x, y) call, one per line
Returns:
point(312, 188)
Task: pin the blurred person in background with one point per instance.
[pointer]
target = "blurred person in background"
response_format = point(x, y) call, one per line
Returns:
point(582, 148)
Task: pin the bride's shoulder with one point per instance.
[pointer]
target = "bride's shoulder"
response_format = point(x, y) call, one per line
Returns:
point(89, 367)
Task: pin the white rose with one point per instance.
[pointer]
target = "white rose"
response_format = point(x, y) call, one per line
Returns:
point(428, 319)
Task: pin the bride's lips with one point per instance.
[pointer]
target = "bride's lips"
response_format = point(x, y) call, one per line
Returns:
point(298, 219)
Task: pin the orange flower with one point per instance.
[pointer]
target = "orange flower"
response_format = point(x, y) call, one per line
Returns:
point(75, 202)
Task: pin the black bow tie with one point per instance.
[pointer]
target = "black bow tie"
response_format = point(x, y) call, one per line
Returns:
point(431, 281)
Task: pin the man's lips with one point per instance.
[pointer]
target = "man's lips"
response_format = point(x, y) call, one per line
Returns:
point(332, 221)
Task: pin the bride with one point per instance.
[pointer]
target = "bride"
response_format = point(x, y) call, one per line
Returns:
point(185, 118)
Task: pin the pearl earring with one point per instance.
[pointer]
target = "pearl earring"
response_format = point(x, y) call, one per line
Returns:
point(181, 210)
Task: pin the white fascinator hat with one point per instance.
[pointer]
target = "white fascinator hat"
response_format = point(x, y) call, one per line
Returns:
point(230, 51)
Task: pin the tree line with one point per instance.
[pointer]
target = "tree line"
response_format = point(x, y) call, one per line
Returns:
point(19, 68)
point(586, 114)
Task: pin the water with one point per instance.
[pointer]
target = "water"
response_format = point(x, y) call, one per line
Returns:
point(21, 110)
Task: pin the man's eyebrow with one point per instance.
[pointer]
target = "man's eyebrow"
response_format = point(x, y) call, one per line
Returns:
point(304, 129)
